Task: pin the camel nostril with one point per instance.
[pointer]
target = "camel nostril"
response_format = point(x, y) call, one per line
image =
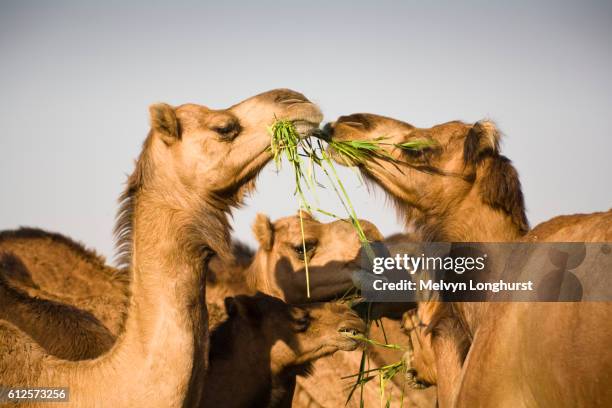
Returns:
point(355, 120)
point(291, 101)
point(290, 98)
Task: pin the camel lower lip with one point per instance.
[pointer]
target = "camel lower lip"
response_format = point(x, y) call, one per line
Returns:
point(350, 331)
point(341, 160)
point(304, 127)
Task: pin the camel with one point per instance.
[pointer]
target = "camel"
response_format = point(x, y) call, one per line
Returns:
point(459, 189)
point(550, 336)
point(63, 330)
point(53, 267)
point(288, 338)
point(278, 266)
point(195, 165)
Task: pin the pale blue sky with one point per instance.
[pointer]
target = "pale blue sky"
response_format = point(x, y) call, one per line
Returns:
point(76, 79)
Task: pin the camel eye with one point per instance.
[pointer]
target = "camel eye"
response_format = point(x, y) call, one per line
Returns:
point(311, 246)
point(302, 322)
point(229, 130)
point(413, 154)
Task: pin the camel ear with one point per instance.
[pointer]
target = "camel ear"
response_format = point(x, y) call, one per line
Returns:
point(483, 138)
point(501, 188)
point(245, 306)
point(230, 306)
point(164, 122)
point(264, 231)
point(305, 215)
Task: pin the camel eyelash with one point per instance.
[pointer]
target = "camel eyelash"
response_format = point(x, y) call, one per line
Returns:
point(229, 129)
point(310, 248)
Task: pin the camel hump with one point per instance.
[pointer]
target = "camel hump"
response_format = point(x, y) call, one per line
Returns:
point(594, 227)
point(14, 271)
point(243, 254)
point(31, 235)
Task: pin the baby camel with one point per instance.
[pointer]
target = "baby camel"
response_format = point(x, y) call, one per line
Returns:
point(287, 338)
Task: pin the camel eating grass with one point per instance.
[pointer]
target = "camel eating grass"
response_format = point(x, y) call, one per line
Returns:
point(195, 165)
point(287, 338)
point(462, 189)
point(277, 268)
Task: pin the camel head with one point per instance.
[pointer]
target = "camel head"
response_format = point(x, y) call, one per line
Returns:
point(332, 250)
point(458, 160)
point(293, 335)
point(217, 153)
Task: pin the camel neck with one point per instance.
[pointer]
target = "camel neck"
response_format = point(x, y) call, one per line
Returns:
point(471, 220)
point(165, 343)
point(167, 319)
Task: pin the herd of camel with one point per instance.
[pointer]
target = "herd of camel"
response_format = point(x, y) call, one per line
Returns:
point(191, 317)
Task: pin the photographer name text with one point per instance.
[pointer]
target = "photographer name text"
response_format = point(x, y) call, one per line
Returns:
point(408, 285)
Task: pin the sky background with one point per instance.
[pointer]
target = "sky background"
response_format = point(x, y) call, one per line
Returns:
point(76, 79)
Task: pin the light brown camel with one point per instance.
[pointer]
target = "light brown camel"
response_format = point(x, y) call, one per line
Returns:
point(195, 165)
point(53, 267)
point(267, 343)
point(564, 359)
point(278, 266)
point(63, 330)
point(459, 189)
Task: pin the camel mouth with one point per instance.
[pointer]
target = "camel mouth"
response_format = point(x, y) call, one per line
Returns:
point(353, 326)
point(325, 133)
point(306, 128)
point(305, 116)
point(329, 133)
point(348, 125)
point(341, 159)
point(350, 331)
point(350, 337)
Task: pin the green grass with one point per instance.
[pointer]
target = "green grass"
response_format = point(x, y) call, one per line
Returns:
point(364, 339)
point(360, 151)
point(286, 142)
